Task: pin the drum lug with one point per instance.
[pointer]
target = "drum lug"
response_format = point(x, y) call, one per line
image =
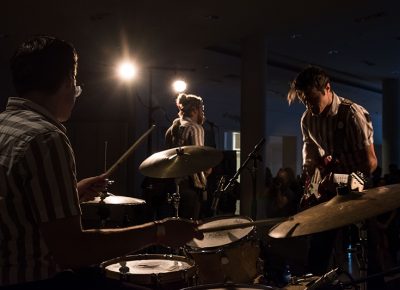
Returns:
point(156, 279)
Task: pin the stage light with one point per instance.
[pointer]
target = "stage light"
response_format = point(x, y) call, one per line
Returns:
point(127, 70)
point(179, 86)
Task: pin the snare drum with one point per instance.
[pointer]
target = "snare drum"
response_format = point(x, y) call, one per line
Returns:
point(153, 271)
point(228, 255)
point(228, 286)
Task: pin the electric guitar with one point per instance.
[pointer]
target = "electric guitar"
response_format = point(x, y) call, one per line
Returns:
point(319, 188)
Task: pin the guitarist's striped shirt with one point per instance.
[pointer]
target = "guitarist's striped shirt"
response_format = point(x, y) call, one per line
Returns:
point(320, 134)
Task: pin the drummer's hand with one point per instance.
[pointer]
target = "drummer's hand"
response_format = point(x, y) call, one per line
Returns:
point(177, 232)
point(90, 187)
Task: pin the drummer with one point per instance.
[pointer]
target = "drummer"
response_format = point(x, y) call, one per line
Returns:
point(40, 217)
point(188, 130)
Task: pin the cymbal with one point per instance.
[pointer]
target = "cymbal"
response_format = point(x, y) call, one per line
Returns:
point(180, 161)
point(115, 199)
point(341, 210)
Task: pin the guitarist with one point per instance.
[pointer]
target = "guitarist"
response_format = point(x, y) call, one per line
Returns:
point(338, 138)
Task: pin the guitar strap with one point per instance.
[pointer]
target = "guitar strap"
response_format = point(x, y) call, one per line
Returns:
point(340, 132)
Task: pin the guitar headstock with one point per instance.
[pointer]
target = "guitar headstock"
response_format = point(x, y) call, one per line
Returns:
point(357, 181)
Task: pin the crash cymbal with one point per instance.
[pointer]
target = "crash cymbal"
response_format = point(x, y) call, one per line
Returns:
point(340, 211)
point(180, 161)
point(115, 199)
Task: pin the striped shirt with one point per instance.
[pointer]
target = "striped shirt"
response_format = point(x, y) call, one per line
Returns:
point(37, 185)
point(185, 132)
point(320, 132)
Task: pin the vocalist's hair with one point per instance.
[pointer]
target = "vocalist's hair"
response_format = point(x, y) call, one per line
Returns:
point(187, 103)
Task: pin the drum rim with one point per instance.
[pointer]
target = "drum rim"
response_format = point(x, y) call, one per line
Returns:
point(190, 261)
point(224, 285)
point(195, 250)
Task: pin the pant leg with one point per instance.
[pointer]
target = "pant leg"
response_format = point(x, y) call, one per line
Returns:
point(189, 204)
point(321, 245)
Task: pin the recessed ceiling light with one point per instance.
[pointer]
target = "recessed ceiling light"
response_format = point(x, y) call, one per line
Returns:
point(333, 52)
point(212, 17)
point(295, 35)
point(369, 63)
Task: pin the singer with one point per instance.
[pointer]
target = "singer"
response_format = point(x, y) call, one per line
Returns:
point(186, 130)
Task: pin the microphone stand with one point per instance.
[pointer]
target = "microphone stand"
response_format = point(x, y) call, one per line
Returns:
point(255, 157)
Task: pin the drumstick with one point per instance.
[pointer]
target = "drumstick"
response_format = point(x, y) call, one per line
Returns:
point(272, 221)
point(129, 152)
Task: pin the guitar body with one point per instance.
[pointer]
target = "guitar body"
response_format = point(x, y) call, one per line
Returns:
point(311, 195)
point(320, 188)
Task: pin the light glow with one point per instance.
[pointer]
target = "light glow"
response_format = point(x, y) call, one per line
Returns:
point(127, 70)
point(179, 86)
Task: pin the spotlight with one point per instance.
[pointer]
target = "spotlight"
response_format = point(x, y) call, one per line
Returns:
point(179, 86)
point(127, 70)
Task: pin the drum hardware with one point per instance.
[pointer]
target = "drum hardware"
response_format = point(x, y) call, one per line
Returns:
point(179, 162)
point(304, 278)
point(217, 194)
point(255, 157)
point(124, 268)
point(175, 197)
point(325, 280)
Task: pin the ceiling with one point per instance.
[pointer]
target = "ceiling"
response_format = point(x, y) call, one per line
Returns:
point(357, 41)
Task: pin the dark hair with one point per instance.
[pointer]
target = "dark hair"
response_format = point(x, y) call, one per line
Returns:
point(310, 78)
point(187, 103)
point(42, 64)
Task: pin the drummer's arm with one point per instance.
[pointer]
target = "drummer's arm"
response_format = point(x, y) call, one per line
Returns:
point(75, 248)
point(90, 187)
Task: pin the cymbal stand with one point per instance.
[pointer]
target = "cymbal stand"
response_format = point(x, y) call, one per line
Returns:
point(175, 197)
point(362, 254)
point(104, 211)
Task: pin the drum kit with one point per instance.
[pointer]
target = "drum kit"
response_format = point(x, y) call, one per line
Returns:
point(228, 256)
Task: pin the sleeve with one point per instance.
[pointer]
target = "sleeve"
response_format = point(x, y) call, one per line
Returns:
point(310, 151)
point(197, 135)
point(52, 187)
point(360, 130)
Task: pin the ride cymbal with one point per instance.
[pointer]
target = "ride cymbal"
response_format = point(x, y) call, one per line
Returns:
point(180, 161)
point(340, 211)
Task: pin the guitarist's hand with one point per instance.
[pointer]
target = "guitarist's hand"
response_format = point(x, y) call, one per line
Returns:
point(327, 187)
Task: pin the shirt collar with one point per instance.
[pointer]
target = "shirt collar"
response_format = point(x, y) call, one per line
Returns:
point(333, 110)
point(15, 103)
point(187, 119)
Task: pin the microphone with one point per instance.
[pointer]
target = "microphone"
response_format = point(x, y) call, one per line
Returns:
point(324, 280)
point(257, 147)
point(212, 124)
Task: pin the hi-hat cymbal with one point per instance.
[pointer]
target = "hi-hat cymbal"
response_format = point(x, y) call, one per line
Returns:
point(340, 211)
point(115, 199)
point(180, 162)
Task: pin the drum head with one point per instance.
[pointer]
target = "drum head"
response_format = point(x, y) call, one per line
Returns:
point(143, 269)
point(221, 238)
